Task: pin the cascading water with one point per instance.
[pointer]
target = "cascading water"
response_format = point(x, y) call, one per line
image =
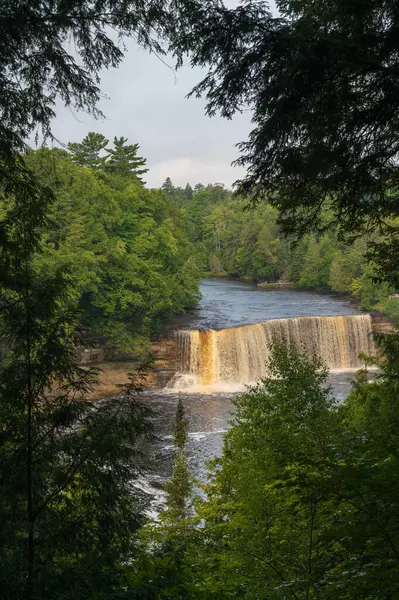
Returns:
point(229, 357)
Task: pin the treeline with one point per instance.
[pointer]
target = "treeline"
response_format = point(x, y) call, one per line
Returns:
point(126, 249)
point(304, 502)
point(235, 241)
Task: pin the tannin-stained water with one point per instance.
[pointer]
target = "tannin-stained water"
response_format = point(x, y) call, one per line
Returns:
point(209, 418)
point(238, 356)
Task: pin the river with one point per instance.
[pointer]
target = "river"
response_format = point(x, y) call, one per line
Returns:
point(230, 303)
point(230, 306)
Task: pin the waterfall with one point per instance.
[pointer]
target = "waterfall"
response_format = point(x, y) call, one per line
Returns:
point(239, 355)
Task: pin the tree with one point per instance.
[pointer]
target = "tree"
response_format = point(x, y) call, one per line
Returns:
point(87, 152)
point(126, 248)
point(188, 192)
point(310, 273)
point(322, 81)
point(370, 481)
point(168, 187)
point(164, 567)
point(37, 68)
point(123, 159)
point(262, 515)
point(303, 502)
point(67, 510)
point(179, 488)
point(180, 426)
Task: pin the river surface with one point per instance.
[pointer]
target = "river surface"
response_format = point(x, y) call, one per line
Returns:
point(224, 304)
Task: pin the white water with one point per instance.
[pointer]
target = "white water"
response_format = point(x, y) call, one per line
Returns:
point(228, 359)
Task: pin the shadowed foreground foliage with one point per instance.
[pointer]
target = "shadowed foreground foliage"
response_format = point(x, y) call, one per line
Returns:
point(68, 507)
point(322, 81)
point(303, 503)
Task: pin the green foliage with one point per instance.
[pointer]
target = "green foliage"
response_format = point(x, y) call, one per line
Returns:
point(303, 502)
point(38, 67)
point(162, 569)
point(264, 494)
point(180, 426)
point(87, 152)
point(249, 244)
point(391, 308)
point(197, 203)
point(179, 488)
point(67, 509)
point(123, 159)
point(127, 249)
point(370, 292)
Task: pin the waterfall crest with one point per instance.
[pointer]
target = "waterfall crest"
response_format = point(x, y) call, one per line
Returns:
point(239, 355)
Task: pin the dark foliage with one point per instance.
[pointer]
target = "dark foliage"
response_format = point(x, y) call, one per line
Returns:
point(68, 508)
point(322, 81)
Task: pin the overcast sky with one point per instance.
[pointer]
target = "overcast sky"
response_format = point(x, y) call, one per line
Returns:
point(146, 103)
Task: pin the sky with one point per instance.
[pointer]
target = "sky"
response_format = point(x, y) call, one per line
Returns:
point(146, 102)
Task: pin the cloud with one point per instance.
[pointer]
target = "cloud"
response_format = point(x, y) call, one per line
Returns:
point(146, 102)
point(189, 170)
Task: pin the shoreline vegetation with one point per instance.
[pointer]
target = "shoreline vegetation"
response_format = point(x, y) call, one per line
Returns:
point(141, 263)
point(232, 241)
point(114, 373)
point(134, 256)
point(383, 321)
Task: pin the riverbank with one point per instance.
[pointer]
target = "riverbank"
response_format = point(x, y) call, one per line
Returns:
point(113, 374)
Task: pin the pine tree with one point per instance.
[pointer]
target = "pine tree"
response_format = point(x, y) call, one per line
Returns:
point(168, 187)
point(166, 572)
point(180, 427)
point(124, 160)
point(38, 68)
point(188, 192)
point(179, 488)
point(321, 79)
point(87, 152)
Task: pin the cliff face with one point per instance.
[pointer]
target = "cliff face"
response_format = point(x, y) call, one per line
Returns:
point(115, 366)
point(382, 323)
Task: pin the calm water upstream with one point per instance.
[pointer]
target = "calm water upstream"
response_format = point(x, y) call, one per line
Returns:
point(224, 304)
point(227, 303)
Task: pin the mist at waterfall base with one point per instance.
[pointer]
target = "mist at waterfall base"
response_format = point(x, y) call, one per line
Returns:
point(223, 346)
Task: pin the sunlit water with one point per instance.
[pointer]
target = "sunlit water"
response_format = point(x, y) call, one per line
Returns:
point(224, 304)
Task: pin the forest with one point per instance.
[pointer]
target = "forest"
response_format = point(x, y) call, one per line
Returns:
point(130, 260)
point(135, 255)
point(303, 502)
point(234, 241)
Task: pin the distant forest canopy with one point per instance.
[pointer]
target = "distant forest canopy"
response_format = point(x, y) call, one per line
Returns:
point(135, 255)
point(236, 241)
